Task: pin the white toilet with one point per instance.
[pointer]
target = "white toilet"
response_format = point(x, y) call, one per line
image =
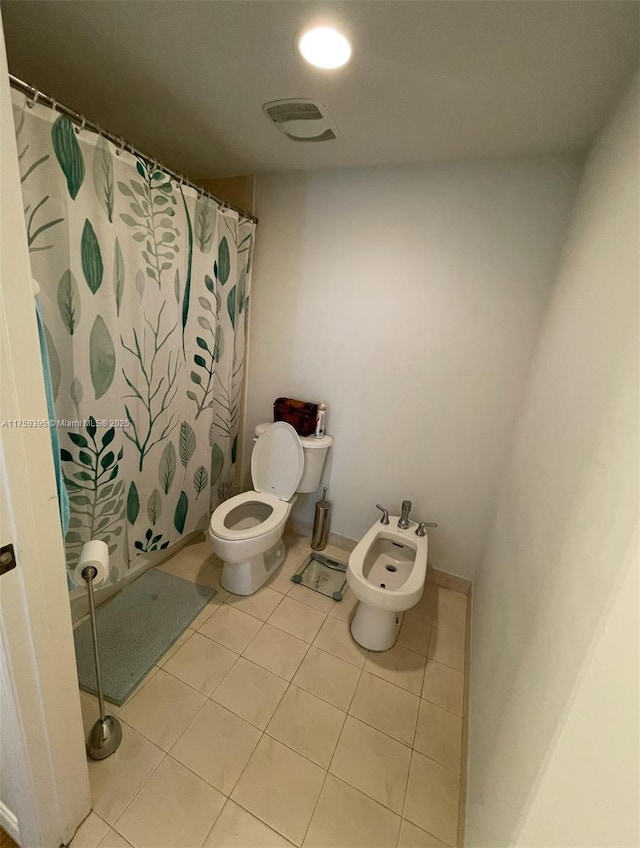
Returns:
point(386, 572)
point(246, 530)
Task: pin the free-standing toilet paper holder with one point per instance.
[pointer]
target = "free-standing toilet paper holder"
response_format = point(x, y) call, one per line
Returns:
point(106, 733)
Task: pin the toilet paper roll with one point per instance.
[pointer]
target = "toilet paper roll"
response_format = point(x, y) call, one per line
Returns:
point(95, 553)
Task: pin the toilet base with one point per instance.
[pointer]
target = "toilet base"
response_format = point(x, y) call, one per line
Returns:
point(375, 629)
point(245, 578)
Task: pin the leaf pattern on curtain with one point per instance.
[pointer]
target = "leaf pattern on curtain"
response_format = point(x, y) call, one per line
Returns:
point(144, 291)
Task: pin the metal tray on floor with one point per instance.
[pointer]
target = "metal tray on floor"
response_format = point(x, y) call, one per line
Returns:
point(323, 574)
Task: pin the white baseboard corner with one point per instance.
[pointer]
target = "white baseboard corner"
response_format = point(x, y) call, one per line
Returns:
point(448, 580)
point(9, 823)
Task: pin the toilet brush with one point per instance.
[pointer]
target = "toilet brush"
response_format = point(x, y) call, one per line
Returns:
point(106, 733)
point(321, 523)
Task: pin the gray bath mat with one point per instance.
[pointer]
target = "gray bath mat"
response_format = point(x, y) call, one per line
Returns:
point(135, 628)
point(322, 574)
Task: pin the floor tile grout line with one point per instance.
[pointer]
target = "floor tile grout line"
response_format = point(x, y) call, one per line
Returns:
point(327, 772)
point(206, 697)
point(289, 680)
point(348, 712)
point(226, 797)
point(221, 791)
point(315, 806)
point(261, 729)
point(373, 726)
point(404, 817)
point(237, 606)
point(366, 794)
point(148, 738)
point(406, 791)
point(194, 688)
point(437, 762)
point(195, 773)
point(440, 707)
point(384, 733)
point(264, 733)
point(195, 633)
point(406, 783)
point(367, 670)
point(266, 824)
point(238, 804)
point(404, 689)
point(153, 770)
point(316, 694)
point(295, 750)
point(136, 793)
point(189, 725)
point(451, 667)
point(217, 642)
point(390, 682)
point(369, 798)
point(273, 627)
point(263, 668)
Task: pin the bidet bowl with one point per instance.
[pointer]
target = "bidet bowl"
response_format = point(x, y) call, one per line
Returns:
point(387, 569)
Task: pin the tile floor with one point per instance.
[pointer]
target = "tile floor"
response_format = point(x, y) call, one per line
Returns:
point(267, 726)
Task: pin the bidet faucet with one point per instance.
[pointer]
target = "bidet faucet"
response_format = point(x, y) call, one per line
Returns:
point(403, 522)
point(385, 514)
point(421, 528)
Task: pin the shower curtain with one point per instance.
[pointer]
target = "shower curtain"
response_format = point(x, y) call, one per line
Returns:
point(144, 291)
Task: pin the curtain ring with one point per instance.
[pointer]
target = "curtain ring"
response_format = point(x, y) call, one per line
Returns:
point(120, 145)
point(32, 102)
point(82, 123)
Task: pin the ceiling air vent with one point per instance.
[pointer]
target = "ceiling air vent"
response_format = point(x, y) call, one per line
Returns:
point(301, 120)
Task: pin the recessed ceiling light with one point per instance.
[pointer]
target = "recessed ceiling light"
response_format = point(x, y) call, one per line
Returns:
point(324, 47)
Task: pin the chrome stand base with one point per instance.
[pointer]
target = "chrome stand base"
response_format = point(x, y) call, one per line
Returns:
point(105, 736)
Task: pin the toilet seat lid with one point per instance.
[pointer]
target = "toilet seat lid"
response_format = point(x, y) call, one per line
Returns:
point(277, 461)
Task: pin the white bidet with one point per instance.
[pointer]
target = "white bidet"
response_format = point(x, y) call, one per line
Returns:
point(386, 572)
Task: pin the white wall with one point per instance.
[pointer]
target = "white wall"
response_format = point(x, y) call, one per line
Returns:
point(567, 515)
point(409, 300)
point(588, 793)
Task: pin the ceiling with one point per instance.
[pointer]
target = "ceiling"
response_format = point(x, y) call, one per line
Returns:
point(185, 81)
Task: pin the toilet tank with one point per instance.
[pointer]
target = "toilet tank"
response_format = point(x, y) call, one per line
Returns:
point(315, 454)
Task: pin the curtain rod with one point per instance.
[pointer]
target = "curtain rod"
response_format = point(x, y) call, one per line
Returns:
point(37, 96)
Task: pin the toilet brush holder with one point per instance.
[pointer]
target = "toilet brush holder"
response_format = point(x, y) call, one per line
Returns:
point(321, 523)
point(106, 733)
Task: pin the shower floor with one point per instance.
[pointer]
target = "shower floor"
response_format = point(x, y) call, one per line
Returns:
point(267, 726)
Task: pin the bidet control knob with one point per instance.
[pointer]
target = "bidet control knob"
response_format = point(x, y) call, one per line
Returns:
point(420, 530)
point(385, 514)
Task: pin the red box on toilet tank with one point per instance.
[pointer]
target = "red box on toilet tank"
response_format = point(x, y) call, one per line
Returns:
point(301, 415)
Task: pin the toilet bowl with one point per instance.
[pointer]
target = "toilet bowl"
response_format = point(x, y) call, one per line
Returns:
point(386, 572)
point(246, 530)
